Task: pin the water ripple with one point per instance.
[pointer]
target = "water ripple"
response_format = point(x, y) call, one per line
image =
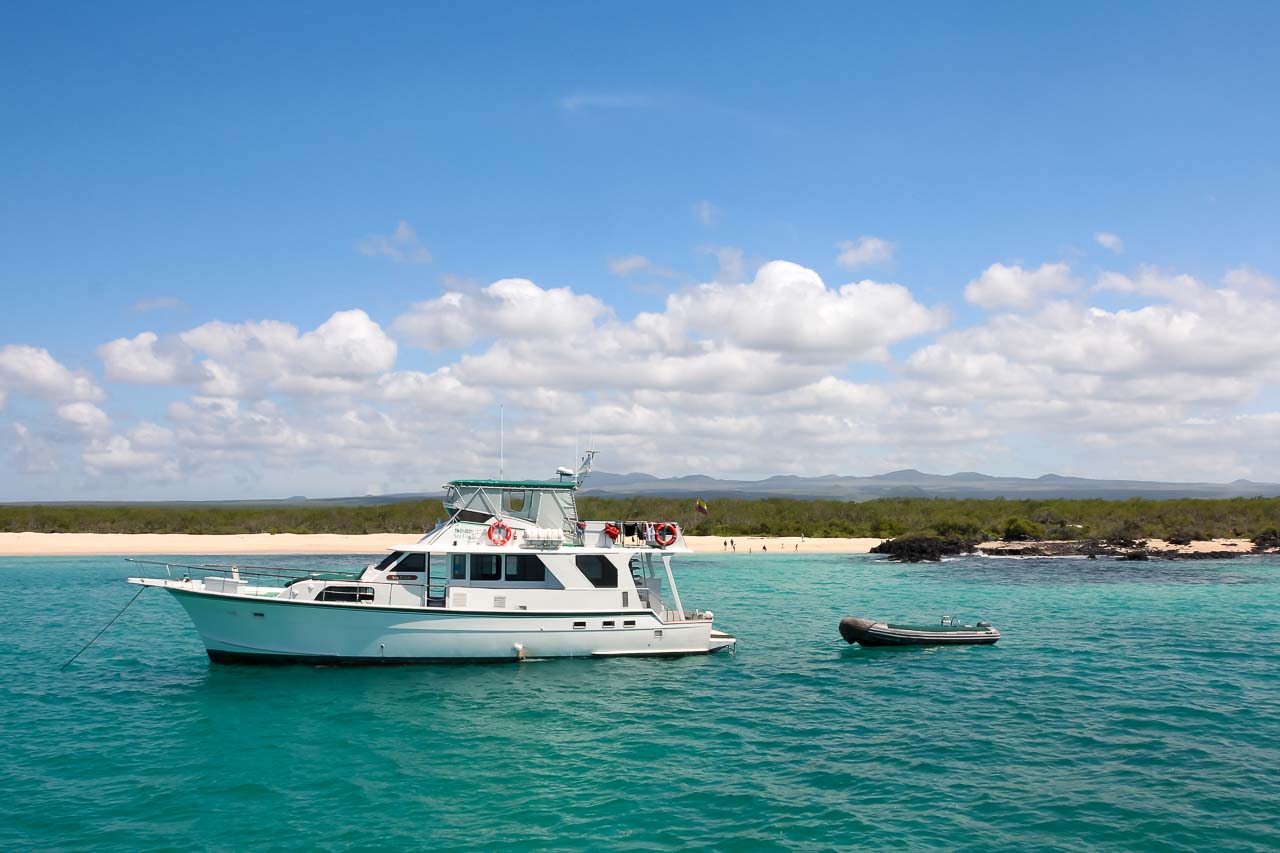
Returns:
point(1127, 706)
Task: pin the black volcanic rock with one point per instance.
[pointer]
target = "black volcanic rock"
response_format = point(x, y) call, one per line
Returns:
point(1268, 541)
point(922, 549)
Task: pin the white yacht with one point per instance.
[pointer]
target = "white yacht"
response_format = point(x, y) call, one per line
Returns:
point(511, 574)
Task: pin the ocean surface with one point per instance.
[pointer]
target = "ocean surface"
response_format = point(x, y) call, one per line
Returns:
point(1129, 706)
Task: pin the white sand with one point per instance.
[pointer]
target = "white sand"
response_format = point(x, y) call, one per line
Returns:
point(85, 544)
point(781, 545)
point(1201, 546)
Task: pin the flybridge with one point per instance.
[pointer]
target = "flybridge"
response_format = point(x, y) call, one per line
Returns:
point(545, 504)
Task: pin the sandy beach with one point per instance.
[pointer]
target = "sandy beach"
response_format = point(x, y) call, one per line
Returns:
point(781, 545)
point(137, 544)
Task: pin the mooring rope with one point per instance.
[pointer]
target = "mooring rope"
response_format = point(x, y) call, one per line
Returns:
point(140, 591)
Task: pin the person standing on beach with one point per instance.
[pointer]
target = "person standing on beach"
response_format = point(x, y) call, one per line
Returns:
point(733, 545)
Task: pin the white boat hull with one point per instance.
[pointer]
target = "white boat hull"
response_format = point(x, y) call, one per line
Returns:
point(238, 628)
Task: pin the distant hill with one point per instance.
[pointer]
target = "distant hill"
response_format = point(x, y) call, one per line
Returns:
point(912, 483)
point(907, 483)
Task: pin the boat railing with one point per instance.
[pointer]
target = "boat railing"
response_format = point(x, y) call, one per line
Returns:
point(276, 579)
point(686, 616)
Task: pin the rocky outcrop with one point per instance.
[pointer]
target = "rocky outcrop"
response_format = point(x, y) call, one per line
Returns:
point(1123, 549)
point(1267, 542)
point(923, 549)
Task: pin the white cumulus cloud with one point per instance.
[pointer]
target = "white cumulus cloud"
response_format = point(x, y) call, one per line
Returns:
point(33, 372)
point(145, 360)
point(513, 307)
point(1015, 287)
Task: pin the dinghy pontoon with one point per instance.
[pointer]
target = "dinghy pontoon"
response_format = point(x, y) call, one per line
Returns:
point(949, 632)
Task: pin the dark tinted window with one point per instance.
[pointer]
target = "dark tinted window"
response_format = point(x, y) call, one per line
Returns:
point(459, 562)
point(389, 559)
point(601, 573)
point(525, 568)
point(485, 567)
point(346, 593)
point(413, 563)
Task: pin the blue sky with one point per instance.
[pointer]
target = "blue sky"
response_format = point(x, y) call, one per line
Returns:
point(168, 166)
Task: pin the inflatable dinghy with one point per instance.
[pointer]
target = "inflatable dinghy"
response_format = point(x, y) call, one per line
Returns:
point(949, 632)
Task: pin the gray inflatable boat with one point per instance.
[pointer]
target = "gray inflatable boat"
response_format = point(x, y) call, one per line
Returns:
point(949, 632)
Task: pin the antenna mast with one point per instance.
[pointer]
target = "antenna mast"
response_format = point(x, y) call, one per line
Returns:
point(502, 445)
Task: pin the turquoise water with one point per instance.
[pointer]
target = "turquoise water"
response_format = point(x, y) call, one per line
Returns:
point(1128, 706)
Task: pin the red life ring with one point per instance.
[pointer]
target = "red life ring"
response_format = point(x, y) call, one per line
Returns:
point(665, 534)
point(499, 533)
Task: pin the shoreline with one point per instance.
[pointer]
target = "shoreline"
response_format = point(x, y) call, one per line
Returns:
point(230, 544)
point(1155, 548)
point(153, 544)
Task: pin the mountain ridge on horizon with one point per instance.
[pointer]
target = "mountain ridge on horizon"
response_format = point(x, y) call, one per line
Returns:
point(910, 482)
point(906, 482)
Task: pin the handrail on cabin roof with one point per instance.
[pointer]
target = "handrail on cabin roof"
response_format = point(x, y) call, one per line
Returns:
point(515, 484)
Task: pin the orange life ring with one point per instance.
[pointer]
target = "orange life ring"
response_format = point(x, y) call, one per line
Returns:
point(665, 538)
point(499, 533)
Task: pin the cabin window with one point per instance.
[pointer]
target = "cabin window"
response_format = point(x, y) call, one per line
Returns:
point(459, 563)
point(608, 623)
point(629, 623)
point(602, 573)
point(485, 567)
point(579, 626)
point(346, 593)
point(389, 559)
point(515, 501)
point(524, 568)
point(413, 563)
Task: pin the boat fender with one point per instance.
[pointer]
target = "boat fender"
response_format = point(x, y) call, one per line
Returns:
point(499, 533)
point(666, 534)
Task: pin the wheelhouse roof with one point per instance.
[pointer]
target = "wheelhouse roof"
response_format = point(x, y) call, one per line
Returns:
point(514, 484)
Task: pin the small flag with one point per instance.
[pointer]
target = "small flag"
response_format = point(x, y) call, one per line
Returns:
point(701, 506)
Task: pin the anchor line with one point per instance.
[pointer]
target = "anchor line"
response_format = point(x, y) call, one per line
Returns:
point(104, 629)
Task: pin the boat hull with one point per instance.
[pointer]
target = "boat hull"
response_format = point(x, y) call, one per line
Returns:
point(866, 632)
point(247, 629)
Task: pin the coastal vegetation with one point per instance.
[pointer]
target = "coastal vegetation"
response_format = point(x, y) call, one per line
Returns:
point(966, 519)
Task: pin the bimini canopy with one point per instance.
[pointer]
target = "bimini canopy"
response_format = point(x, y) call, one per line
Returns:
point(542, 503)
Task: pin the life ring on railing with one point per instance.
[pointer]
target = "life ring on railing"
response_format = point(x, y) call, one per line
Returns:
point(665, 535)
point(612, 531)
point(499, 533)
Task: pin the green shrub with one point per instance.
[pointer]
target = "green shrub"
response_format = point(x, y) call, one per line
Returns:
point(1020, 529)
